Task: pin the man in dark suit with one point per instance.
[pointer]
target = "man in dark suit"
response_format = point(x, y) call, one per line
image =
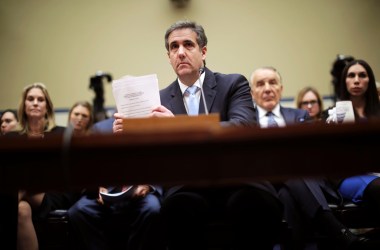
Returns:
point(131, 223)
point(266, 90)
point(252, 210)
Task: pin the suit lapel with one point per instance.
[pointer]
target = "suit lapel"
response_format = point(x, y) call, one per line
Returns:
point(289, 117)
point(176, 103)
point(209, 89)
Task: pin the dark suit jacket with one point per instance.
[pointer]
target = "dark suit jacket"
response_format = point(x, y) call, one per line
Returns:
point(314, 195)
point(293, 116)
point(103, 127)
point(106, 127)
point(228, 95)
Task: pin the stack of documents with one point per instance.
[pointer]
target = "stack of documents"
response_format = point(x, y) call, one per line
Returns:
point(136, 96)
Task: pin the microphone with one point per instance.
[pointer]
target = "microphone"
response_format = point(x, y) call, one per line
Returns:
point(201, 70)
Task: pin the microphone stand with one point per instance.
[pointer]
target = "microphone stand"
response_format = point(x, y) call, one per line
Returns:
point(201, 70)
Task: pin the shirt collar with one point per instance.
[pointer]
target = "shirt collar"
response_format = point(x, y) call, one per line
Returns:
point(183, 87)
point(275, 111)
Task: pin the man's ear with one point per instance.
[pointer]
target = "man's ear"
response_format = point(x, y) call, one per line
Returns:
point(204, 52)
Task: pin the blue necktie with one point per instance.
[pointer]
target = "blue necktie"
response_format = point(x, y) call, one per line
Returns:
point(271, 121)
point(192, 100)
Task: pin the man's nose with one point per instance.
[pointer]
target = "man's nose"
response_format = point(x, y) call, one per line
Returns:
point(266, 86)
point(181, 50)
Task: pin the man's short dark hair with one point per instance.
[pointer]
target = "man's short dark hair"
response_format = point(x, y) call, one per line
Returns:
point(185, 24)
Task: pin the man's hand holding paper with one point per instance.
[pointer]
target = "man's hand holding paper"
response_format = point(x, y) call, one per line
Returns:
point(161, 111)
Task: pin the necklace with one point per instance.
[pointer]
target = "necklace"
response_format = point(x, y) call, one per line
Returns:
point(36, 135)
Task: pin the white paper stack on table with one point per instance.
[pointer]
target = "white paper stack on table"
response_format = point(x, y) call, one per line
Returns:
point(136, 96)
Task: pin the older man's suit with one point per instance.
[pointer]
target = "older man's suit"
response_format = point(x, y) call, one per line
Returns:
point(253, 210)
point(294, 116)
point(304, 198)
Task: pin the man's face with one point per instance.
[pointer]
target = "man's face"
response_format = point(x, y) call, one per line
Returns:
point(266, 88)
point(185, 55)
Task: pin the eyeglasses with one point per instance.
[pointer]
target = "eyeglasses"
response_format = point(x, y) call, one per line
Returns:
point(307, 103)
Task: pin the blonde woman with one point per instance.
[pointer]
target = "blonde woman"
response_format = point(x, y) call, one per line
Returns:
point(81, 117)
point(36, 114)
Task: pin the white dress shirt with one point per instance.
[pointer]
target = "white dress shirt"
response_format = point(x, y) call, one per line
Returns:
point(263, 118)
point(184, 87)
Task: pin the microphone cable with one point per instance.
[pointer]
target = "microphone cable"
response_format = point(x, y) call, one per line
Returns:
point(201, 70)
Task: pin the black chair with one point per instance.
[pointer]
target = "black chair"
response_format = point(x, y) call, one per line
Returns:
point(53, 233)
point(218, 233)
point(360, 219)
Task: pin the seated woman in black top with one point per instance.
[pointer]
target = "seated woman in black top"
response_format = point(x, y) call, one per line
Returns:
point(36, 120)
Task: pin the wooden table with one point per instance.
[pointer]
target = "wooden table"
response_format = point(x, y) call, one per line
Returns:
point(218, 157)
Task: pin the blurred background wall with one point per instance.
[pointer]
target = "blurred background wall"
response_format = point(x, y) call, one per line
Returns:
point(64, 43)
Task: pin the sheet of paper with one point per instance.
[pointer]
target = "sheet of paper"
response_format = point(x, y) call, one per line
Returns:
point(135, 96)
point(119, 196)
point(344, 112)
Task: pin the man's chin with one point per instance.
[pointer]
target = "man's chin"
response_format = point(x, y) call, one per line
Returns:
point(184, 71)
point(269, 106)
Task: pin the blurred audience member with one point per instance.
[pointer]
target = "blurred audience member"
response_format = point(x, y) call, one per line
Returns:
point(359, 86)
point(306, 200)
point(81, 117)
point(336, 72)
point(36, 114)
point(266, 90)
point(309, 99)
point(9, 121)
